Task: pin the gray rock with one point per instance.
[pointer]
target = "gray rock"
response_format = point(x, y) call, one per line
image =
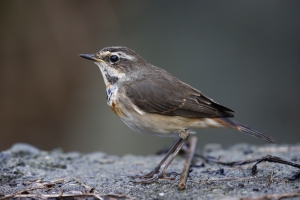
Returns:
point(23, 167)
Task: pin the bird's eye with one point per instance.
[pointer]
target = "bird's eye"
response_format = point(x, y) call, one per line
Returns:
point(114, 58)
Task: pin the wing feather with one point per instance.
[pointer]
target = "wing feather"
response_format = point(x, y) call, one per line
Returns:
point(169, 96)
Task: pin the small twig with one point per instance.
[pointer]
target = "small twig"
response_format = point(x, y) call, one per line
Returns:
point(268, 158)
point(187, 164)
point(226, 179)
point(61, 193)
point(42, 186)
point(295, 176)
point(55, 196)
point(231, 164)
point(89, 188)
point(270, 180)
point(272, 196)
point(119, 196)
point(273, 159)
point(58, 181)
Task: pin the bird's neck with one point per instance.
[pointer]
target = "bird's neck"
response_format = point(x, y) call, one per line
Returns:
point(110, 75)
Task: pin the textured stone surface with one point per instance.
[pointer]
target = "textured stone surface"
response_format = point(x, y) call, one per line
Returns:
point(30, 171)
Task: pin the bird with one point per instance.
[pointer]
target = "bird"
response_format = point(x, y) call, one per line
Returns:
point(151, 101)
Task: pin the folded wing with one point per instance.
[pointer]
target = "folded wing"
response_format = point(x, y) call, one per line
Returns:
point(169, 96)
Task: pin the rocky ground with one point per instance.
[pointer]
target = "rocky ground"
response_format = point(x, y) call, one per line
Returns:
point(27, 172)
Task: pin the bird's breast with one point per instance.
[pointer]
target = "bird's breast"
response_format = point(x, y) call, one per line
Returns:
point(112, 100)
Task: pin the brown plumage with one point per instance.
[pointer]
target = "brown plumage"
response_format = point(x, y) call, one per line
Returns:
point(166, 95)
point(150, 100)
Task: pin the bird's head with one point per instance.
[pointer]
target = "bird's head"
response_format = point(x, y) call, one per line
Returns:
point(116, 62)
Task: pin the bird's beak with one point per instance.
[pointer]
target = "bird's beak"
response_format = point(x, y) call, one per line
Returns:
point(90, 57)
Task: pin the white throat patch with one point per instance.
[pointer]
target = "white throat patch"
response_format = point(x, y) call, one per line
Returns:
point(108, 72)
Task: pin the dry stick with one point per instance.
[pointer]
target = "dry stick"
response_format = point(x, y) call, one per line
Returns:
point(268, 158)
point(187, 164)
point(272, 196)
point(274, 159)
point(89, 188)
point(46, 196)
point(42, 186)
point(270, 179)
point(234, 163)
point(226, 179)
point(61, 193)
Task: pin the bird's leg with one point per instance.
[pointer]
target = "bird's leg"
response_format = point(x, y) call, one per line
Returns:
point(187, 165)
point(157, 168)
point(151, 177)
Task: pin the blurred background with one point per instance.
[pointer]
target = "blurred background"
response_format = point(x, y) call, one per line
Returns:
point(243, 54)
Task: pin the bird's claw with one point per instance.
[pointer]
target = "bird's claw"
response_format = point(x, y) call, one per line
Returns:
point(152, 177)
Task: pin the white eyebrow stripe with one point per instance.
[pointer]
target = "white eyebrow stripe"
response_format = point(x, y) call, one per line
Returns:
point(123, 55)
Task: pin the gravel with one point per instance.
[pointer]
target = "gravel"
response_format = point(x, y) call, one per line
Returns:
point(26, 171)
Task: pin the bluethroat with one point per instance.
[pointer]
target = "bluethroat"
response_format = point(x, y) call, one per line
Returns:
point(151, 101)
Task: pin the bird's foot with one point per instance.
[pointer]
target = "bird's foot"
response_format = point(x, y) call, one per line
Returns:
point(148, 175)
point(152, 177)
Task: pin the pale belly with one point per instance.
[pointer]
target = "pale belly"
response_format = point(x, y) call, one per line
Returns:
point(150, 123)
point(165, 126)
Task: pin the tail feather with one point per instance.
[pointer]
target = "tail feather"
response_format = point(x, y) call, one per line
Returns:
point(243, 128)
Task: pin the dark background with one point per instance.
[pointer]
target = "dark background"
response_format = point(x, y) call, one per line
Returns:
point(243, 54)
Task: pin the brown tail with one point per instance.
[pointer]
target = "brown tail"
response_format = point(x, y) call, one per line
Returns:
point(243, 128)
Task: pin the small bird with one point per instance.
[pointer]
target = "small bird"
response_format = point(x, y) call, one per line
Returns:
point(151, 101)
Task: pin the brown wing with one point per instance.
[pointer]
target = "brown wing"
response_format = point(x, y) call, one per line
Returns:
point(169, 96)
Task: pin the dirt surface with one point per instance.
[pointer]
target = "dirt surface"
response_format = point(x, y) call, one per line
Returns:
point(26, 171)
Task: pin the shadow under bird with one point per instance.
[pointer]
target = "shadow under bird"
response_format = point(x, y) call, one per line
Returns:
point(151, 101)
